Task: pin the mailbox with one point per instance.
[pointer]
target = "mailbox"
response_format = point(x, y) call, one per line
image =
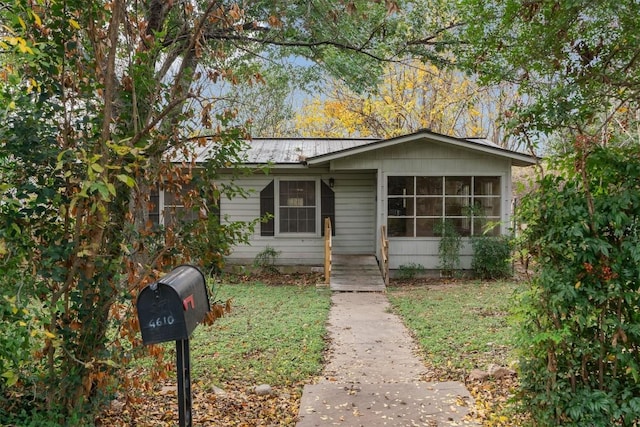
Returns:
point(171, 308)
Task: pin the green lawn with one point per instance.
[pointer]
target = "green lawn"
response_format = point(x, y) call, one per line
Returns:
point(463, 325)
point(274, 334)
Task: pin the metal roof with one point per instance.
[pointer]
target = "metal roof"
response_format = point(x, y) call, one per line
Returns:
point(306, 151)
point(281, 151)
point(298, 150)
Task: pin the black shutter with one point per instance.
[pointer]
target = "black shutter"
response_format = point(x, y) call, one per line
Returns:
point(267, 206)
point(327, 207)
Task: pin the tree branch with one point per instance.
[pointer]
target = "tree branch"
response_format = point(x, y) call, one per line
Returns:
point(298, 43)
point(430, 40)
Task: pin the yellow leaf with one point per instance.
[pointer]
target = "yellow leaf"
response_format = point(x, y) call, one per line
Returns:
point(49, 334)
point(74, 23)
point(24, 48)
point(36, 18)
point(578, 284)
point(96, 167)
point(22, 24)
point(12, 105)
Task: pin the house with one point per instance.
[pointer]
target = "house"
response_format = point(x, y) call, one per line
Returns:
point(408, 184)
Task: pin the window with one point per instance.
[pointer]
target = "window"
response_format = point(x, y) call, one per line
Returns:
point(175, 209)
point(416, 205)
point(170, 207)
point(296, 206)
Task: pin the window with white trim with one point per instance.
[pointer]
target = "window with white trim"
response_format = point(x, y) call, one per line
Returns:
point(416, 205)
point(296, 206)
point(175, 207)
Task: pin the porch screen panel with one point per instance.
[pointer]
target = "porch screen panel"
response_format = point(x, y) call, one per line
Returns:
point(401, 206)
point(487, 198)
point(417, 205)
point(429, 204)
point(457, 203)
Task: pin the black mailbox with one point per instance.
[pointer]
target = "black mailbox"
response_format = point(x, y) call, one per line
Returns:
point(171, 308)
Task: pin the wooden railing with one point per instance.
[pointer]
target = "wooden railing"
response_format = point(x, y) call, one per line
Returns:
point(327, 250)
point(384, 255)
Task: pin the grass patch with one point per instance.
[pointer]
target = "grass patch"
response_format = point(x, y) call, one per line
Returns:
point(462, 325)
point(274, 334)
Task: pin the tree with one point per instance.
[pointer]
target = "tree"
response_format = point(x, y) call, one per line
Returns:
point(99, 96)
point(411, 96)
point(578, 64)
point(580, 328)
point(267, 106)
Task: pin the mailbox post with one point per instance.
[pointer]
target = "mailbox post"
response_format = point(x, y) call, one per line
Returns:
point(169, 310)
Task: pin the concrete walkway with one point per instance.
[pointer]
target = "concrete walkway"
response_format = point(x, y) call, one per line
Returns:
point(372, 375)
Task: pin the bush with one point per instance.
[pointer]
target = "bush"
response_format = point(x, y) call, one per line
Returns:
point(579, 319)
point(491, 257)
point(448, 247)
point(409, 271)
point(266, 260)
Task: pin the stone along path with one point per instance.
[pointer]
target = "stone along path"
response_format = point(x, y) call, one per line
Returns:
point(372, 375)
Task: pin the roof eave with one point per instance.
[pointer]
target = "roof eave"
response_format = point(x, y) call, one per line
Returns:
point(518, 159)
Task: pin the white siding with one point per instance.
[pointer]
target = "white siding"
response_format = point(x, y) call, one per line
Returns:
point(354, 210)
point(359, 211)
point(428, 158)
point(423, 251)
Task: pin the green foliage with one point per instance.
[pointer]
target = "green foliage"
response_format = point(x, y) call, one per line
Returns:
point(448, 247)
point(409, 271)
point(491, 257)
point(557, 53)
point(463, 325)
point(266, 259)
point(15, 345)
point(580, 318)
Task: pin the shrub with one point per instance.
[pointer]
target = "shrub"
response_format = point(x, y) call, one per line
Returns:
point(409, 271)
point(449, 247)
point(579, 319)
point(266, 260)
point(491, 257)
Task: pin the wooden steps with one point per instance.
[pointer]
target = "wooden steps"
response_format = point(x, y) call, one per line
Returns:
point(356, 273)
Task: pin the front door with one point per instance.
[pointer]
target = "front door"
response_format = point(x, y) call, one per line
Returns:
point(355, 214)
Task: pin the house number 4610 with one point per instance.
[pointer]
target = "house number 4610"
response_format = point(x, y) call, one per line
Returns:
point(162, 321)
